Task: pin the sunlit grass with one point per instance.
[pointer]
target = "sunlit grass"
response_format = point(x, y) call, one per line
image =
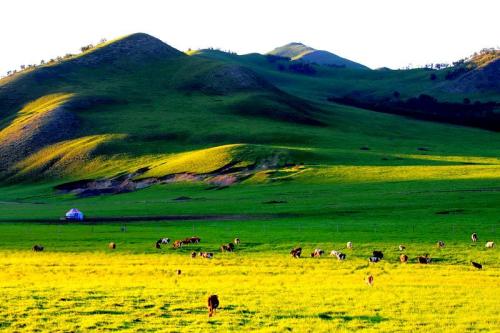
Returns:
point(460, 159)
point(67, 157)
point(31, 112)
point(396, 173)
point(68, 291)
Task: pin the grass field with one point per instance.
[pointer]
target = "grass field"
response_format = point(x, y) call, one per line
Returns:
point(77, 284)
point(268, 292)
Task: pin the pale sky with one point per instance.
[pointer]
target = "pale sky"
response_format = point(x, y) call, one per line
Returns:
point(392, 33)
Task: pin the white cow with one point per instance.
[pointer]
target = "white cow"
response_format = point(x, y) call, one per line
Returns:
point(349, 245)
point(490, 245)
point(339, 255)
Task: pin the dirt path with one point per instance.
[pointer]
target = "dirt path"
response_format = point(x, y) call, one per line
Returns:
point(155, 218)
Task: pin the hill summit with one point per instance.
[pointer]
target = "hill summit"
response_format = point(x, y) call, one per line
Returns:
point(299, 51)
point(134, 47)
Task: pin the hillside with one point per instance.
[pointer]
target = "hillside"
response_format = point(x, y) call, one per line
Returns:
point(135, 112)
point(483, 78)
point(301, 52)
point(138, 99)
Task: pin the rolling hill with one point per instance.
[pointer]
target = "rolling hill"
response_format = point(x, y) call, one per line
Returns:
point(135, 112)
point(301, 52)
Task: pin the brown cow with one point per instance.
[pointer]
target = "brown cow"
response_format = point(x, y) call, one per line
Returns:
point(227, 247)
point(403, 258)
point(194, 240)
point(369, 280)
point(213, 304)
point(177, 244)
point(193, 254)
point(424, 259)
point(112, 246)
point(296, 252)
point(317, 253)
point(37, 248)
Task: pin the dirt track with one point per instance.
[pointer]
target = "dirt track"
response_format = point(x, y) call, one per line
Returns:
point(157, 218)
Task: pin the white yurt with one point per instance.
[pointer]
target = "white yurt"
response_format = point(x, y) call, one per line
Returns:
point(74, 214)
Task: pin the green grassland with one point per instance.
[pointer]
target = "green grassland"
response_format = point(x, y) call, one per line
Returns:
point(320, 174)
point(77, 283)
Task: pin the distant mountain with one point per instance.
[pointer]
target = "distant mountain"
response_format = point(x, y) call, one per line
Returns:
point(299, 51)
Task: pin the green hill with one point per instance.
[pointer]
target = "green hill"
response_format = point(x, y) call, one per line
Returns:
point(135, 112)
point(301, 52)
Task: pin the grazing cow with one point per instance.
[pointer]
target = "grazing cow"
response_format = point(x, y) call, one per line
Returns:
point(402, 247)
point(112, 246)
point(37, 248)
point(349, 245)
point(339, 255)
point(317, 253)
point(369, 280)
point(237, 241)
point(165, 240)
point(440, 244)
point(374, 259)
point(177, 244)
point(194, 240)
point(477, 265)
point(378, 254)
point(207, 255)
point(296, 252)
point(193, 254)
point(185, 241)
point(158, 244)
point(227, 247)
point(213, 304)
point(403, 258)
point(473, 237)
point(490, 245)
point(424, 259)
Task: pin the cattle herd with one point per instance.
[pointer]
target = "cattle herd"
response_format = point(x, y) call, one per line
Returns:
point(377, 256)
